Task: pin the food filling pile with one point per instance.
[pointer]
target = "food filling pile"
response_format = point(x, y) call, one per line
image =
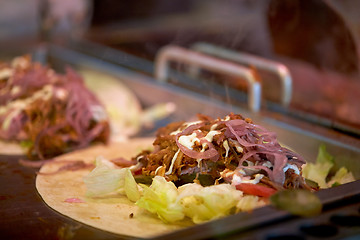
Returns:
point(211, 168)
point(232, 150)
point(47, 112)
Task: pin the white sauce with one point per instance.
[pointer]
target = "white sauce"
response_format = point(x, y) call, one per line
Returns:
point(239, 149)
point(249, 163)
point(227, 148)
point(61, 93)
point(238, 179)
point(211, 134)
point(213, 127)
point(227, 118)
point(187, 124)
point(267, 164)
point(188, 140)
point(133, 167)
point(6, 73)
point(45, 93)
point(157, 169)
point(176, 132)
point(15, 90)
point(172, 162)
point(291, 166)
point(199, 163)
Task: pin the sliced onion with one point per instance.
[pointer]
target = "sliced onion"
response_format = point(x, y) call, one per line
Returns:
point(280, 162)
point(210, 153)
point(238, 133)
point(266, 169)
point(190, 129)
point(34, 164)
point(250, 130)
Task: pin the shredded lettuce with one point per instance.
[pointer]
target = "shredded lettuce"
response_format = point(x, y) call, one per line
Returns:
point(130, 186)
point(104, 179)
point(249, 203)
point(342, 176)
point(191, 200)
point(319, 171)
point(206, 203)
point(160, 198)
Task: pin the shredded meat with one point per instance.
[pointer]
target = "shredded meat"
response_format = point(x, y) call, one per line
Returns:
point(220, 149)
point(54, 113)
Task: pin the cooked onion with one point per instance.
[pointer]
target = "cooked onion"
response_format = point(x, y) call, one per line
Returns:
point(210, 153)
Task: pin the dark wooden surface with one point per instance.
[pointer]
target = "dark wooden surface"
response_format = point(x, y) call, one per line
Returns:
point(24, 215)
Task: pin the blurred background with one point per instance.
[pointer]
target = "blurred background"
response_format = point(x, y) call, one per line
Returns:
point(318, 41)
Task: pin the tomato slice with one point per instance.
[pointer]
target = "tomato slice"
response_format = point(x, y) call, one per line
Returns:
point(255, 189)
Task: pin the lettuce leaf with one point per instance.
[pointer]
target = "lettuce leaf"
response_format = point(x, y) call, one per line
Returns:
point(342, 176)
point(206, 203)
point(104, 179)
point(249, 203)
point(199, 203)
point(130, 186)
point(160, 198)
point(319, 170)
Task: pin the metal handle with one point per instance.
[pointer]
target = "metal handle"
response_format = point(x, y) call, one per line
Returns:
point(174, 53)
point(280, 69)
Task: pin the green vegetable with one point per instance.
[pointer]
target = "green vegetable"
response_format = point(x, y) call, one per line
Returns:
point(298, 202)
point(130, 186)
point(324, 156)
point(206, 203)
point(342, 176)
point(26, 144)
point(104, 179)
point(319, 172)
point(160, 198)
point(249, 203)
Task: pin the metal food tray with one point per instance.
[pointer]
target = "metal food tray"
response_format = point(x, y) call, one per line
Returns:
point(26, 216)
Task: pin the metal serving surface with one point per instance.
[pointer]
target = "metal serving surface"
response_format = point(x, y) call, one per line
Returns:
point(25, 216)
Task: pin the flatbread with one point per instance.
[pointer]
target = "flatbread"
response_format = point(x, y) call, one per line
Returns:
point(11, 148)
point(112, 213)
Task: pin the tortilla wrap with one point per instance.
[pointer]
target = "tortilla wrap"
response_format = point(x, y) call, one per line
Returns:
point(11, 148)
point(111, 213)
point(122, 105)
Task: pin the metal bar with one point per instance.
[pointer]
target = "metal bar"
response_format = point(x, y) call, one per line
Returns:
point(279, 69)
point(174, 53)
